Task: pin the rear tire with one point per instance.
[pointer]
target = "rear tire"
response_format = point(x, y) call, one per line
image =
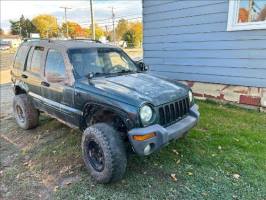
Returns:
point(26, 115)
point(104, 153)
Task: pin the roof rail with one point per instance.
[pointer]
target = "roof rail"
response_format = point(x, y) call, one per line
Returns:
point(36, 39)
point(86, 39)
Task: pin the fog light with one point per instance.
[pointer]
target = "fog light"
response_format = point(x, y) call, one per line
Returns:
point(147, 149)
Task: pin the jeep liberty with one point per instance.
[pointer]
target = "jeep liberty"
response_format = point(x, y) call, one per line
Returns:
point(99, 89)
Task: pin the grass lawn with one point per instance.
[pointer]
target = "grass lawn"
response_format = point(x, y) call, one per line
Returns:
point(224, 157)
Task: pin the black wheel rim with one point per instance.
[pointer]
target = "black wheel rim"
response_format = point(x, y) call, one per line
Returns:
point(20, 114)
point(95, 155)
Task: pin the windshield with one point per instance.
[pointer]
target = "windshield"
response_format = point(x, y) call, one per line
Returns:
point(100, 61)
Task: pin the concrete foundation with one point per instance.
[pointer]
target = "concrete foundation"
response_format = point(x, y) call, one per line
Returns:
point(249, 96)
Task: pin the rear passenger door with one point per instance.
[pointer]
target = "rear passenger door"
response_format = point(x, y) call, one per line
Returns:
point(32, 74)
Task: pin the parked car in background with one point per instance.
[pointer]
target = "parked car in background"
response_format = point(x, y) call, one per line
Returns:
point(4, 45)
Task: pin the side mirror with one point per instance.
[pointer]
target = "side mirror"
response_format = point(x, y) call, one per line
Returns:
point(142, 66)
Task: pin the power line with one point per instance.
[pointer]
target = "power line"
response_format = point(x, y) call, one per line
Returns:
point(110, 23)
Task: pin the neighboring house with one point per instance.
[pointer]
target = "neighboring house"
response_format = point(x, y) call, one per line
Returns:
point(218, 47)
point(13, 40)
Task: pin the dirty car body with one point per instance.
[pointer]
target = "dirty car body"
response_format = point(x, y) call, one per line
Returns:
point(146, 110)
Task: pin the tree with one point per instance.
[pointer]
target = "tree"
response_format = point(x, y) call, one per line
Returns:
point(121, 28)
point(74, 30)
point(129, 37)
point(137, 29)
point(1, 31)
point(14, 27)
point(22, 27)
point(46, 25)
point(134, 35)
point(99, 32)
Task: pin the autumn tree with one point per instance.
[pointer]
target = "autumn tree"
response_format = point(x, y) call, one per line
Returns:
point(99, 32)
point(46, 25)
point(121, 28)
point(74, 30)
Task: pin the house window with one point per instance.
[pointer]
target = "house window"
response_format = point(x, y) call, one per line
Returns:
point(246, 15)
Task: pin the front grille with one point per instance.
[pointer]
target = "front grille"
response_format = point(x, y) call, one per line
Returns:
point(174, 111)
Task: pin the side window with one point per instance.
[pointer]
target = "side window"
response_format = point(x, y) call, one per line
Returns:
point(36, 59)
point(54, 67)
point(117, 59)
point(21, 57)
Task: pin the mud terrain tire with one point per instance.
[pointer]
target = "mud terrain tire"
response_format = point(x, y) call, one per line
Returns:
point(112, 157)
point(25, 113)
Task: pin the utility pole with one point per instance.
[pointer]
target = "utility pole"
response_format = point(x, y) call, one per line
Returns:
point(92, 21)
point(113, 19)
point(66, 8)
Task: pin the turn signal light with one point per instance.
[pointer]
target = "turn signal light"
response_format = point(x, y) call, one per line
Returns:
point(143, 137)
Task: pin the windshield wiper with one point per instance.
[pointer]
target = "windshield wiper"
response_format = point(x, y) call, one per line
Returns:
point(125, 71)
point(97, 74)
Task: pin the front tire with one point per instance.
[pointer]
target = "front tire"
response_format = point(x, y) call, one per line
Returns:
point(104, 153)
point(25, 113)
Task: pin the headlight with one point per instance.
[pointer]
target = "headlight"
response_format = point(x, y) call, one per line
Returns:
point(146, 114)
point(190, 96)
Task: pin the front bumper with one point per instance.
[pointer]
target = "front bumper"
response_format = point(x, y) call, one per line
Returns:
point(163, 135)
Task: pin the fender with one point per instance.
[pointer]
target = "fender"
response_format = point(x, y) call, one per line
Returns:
point(91, 107)
point(21, 84)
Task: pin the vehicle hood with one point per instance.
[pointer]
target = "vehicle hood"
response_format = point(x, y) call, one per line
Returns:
point(138, 88)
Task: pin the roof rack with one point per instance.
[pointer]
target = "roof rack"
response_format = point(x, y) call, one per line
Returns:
point(86, 39)
point(36, 39)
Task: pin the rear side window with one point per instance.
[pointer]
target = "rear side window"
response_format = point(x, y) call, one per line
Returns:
point(55, 67)
point(36, 59)
point(21, 57)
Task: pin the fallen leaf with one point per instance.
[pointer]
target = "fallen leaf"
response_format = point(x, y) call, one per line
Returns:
point(219, 147)
point(204, 194)
point(56, 188)
point(173, 176)
point(68, 182)
point(236, 176)
point(177, 162)
point(175, 151)
point(190, 173)
point(236, 139)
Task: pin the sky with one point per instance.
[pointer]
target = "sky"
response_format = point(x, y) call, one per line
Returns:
point(80, 12)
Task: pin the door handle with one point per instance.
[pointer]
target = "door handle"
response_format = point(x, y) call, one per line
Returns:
point(24, 76)
point(43, 83)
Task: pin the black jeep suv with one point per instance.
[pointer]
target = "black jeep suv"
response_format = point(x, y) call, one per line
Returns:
point(100, 90)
